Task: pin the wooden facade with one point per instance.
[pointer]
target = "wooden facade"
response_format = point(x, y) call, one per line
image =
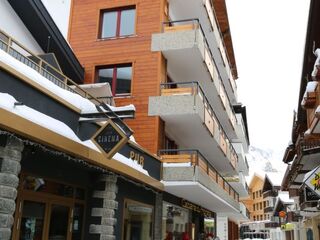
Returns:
point(148, 67)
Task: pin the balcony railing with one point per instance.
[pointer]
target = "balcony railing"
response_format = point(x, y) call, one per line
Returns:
point(270, 193)
point(219, 38)
point(193, 24)
point(25, 56)
point(304, 144)
point(195, 158)
point(210, 119)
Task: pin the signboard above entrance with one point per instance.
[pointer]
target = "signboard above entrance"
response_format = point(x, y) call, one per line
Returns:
point(109, 138)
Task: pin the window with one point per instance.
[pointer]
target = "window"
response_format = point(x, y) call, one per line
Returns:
point(264, 204)
point(118, 76)
point(118, 22)
point(137, 220)
point(260, 193)
point(260, 205)
point(254, 207)
point(254, 195)
point(254, 218)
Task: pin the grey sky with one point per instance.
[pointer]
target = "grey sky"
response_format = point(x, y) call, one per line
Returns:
point(268, 39)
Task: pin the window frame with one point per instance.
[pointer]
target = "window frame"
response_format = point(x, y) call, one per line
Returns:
point(118, 10)
point(113, 84)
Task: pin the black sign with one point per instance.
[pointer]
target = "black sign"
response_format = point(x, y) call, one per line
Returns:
point(109, 138)
point(196, 208)
point(146, 160)
point(311, 195)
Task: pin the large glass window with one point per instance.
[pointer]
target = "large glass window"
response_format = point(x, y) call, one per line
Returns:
point(118, 22)
point(138, 221)
point(174, 221)
point(118, 76)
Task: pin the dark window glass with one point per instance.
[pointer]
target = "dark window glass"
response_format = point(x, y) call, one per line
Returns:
point(118, 76)
point(118, 22)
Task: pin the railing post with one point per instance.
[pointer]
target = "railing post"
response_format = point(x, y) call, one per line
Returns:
point(9, 44)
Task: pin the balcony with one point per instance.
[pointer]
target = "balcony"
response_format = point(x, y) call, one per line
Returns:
point(243, 165)
point(52, 72)
point(239, 184)
point(268, 209)
point(188, 174)
point(187, 51)
point(307, 158)
point(270, 193)
point(205, 12)
point(189, 116)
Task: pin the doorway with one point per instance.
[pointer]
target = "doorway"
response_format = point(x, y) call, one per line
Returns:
point(42, 214)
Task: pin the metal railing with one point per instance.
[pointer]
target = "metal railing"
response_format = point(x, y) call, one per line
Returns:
point(25, 56)
point(304, 144)
point(193, 24)
point(194, 157)
point(220, 40)
point(194, 89)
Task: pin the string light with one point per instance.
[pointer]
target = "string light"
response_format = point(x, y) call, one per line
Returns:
point(76, 160)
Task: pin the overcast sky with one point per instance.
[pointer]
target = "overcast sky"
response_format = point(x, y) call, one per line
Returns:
point(268, 40)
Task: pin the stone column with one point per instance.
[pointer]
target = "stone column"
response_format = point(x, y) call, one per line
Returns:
point(105, 208)
point(10, 157)
point(158, 217)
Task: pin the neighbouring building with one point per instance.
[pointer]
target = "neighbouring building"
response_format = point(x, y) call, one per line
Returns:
point(174, 61)
point(303, 152)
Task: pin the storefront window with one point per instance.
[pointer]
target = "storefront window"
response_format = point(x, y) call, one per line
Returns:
point(138, 221)
point(174, 222)
point(209, 226)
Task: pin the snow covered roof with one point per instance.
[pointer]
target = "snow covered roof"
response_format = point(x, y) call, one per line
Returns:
point(284, 197)
point(275, 178)
point(311, 87)
point(7, 102)
point(83, 104)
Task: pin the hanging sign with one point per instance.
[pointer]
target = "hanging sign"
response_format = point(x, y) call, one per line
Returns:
point(312, 180)
point(109, 138)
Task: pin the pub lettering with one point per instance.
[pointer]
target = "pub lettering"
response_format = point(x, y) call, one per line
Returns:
point(137, 157)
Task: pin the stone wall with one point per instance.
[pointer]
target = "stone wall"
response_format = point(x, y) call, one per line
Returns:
point(10, 157)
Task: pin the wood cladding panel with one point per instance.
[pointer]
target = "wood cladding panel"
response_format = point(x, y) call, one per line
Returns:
point(135, 49)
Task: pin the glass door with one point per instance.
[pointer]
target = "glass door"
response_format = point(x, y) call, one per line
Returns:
point(59, 222)
point(32, 221)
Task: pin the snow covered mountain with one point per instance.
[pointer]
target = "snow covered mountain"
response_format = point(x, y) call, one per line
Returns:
point(265, 160)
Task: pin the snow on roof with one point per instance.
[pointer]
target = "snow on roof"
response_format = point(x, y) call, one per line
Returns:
point(275, 178)
point(7, 103)
point(311, 87)
point(284, 197)
point(85, 105)
point(130, 162)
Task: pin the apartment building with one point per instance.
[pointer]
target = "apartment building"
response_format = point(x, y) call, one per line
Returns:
point(174, 61)
point(68, 161)
point(302, 154)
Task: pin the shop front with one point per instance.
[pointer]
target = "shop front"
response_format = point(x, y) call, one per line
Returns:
point(183, 220)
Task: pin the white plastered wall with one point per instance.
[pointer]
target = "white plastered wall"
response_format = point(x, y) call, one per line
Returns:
point(11, 24)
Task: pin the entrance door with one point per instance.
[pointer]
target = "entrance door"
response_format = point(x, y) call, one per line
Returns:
point(32, 221)
point(59, 222)
point(44, 220)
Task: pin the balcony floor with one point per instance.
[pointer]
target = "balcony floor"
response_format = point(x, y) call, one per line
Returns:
point(190, 9)
point(186, 64)
point(190, 132)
